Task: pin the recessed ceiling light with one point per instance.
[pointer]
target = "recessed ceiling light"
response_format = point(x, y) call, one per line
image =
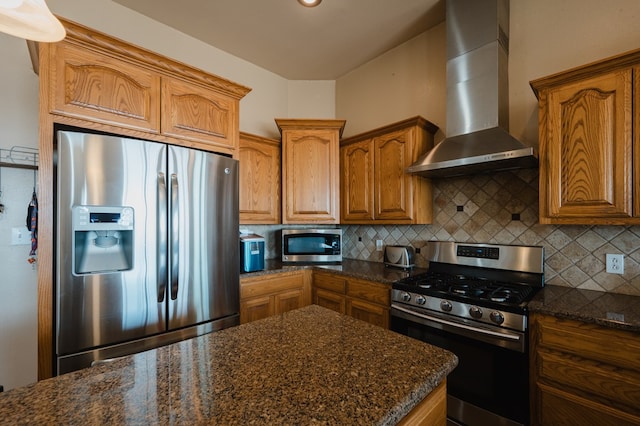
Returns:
point(309, 3)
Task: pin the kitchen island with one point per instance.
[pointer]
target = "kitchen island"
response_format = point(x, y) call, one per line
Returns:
point(308, 366)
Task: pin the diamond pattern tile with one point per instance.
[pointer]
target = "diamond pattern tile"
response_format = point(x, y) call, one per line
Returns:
point(575, 255)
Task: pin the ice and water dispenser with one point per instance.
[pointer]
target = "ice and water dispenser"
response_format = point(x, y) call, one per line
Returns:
point(103, 239)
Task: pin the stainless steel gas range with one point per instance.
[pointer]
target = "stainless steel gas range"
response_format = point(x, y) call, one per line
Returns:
point(473, 302)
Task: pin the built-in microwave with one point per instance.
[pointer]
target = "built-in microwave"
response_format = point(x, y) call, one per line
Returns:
point(312, 245)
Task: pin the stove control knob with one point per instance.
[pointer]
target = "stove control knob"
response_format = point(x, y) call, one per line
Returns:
point(421, 300)
point(446, 306)
point(405, 297)
point(496, 317)
point(475, 312)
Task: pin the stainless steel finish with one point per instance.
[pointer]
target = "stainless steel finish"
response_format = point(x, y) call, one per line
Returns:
point(311, 258)
point(99, 312)
point(162, 244)
point(208, 222)
point(512, 258)
point(399, 257)
point(496, 336)
point(89, 358)
point(472, 415)
point(174, 248)
point(458, 309)
point(477, 95)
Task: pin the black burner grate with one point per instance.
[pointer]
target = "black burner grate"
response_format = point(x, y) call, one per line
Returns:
point(468, 287)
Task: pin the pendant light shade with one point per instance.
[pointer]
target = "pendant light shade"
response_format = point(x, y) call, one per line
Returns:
point(31, 20)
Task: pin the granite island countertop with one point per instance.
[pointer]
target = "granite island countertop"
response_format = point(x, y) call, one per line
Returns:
point(308, 366)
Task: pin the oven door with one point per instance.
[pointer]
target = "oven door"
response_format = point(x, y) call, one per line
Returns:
point(490, 385)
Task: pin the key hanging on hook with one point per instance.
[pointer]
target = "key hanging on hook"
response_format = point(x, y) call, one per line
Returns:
point(1, 205)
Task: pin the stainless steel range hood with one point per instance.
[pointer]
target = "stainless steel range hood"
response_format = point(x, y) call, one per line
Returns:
point(477, 140)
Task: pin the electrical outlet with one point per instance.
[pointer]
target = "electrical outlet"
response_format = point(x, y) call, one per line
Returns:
point(615, 263)
point(378, 245)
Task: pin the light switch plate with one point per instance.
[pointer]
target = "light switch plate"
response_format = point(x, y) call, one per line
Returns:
point(20, 236)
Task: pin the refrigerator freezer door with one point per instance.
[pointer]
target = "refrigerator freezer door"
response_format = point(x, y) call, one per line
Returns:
point(105, 306)
point(203, 223)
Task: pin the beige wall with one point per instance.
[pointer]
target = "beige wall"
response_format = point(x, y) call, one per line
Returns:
point(546, 36)
point(404, 82)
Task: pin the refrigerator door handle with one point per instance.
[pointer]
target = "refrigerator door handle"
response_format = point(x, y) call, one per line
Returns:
point(162, 237)
point(174, 236)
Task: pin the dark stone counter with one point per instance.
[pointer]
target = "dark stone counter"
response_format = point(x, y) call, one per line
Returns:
point(372, 271)
point(607, 309)
point(308, 366)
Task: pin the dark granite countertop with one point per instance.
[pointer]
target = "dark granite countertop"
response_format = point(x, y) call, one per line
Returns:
point(608, 309)
point(308, 366)
point(372, 271)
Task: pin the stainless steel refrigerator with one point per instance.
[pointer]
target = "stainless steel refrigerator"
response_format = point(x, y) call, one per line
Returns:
point(146, 246)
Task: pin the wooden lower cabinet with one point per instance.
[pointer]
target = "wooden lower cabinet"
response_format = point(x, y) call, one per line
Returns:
point(583, 373)
point(431, 411)
point(266, 295)
point(361, 299)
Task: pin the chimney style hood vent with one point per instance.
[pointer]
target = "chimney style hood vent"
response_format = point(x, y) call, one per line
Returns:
point(477, 140)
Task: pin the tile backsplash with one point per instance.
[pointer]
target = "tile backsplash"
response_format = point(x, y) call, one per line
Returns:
point(501, 208)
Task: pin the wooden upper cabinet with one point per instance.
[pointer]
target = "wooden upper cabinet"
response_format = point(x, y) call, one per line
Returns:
point(106, 84)
point(259, 179)
point(310, 170)
point(200, 114)
point(90, 85)
point(588, 151)
point(375, 187)
point(357, 181)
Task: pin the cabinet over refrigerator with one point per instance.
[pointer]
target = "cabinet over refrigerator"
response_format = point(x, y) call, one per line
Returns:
point(142, 243)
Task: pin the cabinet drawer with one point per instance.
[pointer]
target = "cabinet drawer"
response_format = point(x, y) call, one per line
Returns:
point(367, 290)
point(603, 382)
point(561, 408)
point(330, 282)
point(369, 312)
point(590, 341)
point(259, 286)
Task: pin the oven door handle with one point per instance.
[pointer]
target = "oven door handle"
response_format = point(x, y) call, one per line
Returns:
point(457, 325)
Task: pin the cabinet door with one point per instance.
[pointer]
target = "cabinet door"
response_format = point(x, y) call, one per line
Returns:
point(393, 186)
point(259, 180)
point(586, 150)
point(100, 88)
point(288, 301)
point(330, 300)
point(256, 308)
point(199, 114)
point(356, 185)
point(310, 176)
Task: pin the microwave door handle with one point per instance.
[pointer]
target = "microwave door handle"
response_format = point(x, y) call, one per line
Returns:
point(162, 237)
point(175, 242)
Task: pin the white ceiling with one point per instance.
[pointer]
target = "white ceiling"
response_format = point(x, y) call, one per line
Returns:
point(297, 42)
